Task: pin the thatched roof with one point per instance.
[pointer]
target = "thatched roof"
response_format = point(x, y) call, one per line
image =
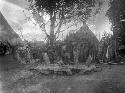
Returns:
point(7, 33)
point(84, 34)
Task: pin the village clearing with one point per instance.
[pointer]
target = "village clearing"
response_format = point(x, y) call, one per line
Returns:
point(111, 79)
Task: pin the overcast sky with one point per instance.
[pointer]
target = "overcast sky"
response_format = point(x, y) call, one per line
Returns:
point(12, 10)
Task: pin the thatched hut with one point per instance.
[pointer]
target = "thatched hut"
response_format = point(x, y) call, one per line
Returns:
point(8, 37)
point(84, 41)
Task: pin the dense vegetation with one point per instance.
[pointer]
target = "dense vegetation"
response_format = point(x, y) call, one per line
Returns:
point(116, 14)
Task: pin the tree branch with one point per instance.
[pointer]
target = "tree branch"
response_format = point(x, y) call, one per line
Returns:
point(57, 23)
point(57, 36)
point(64, 29)
point(42, 27)
point(59, 27)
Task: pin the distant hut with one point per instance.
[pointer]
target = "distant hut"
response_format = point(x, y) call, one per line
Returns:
point(84, 42)
point(8, 37)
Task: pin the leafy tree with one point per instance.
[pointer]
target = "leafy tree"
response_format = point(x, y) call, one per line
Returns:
point(116, 14)
point(61, 13)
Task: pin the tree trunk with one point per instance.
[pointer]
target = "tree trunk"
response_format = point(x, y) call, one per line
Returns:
point(116, 45)
point(52, 26)
point(116, 53)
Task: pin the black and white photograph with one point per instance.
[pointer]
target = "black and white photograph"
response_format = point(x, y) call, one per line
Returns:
point(62, 46)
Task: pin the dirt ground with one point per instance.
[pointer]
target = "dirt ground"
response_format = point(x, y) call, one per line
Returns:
point(19, 80)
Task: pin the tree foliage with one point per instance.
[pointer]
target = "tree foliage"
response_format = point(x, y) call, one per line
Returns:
point(116, 14)
point(60, 12)
point(52, 6)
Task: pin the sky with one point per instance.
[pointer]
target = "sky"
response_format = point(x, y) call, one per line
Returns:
point(13, 12)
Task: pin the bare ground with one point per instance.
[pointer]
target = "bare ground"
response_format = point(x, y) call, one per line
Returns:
point(18, 80)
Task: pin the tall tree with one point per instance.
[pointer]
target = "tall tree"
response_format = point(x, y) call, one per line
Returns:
point(60, 13)
point(116, 14)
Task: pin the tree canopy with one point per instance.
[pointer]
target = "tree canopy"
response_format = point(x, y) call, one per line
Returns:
point(50, 6)
point(116, 14)
point(60, 12)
